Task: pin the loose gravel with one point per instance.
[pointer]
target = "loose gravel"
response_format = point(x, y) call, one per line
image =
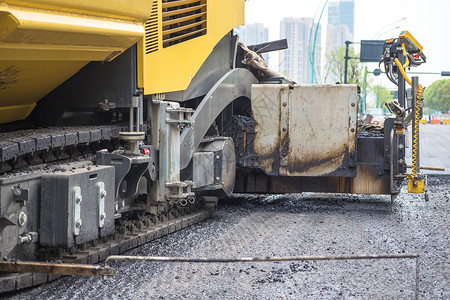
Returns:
point(290, 225)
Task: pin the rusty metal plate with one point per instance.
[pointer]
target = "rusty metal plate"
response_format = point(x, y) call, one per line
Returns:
point(306, 130)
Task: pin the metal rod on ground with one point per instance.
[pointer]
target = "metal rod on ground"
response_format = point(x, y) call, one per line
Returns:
point(271, 259)
point(53, 268)
point(256, 259)
point(417, 279)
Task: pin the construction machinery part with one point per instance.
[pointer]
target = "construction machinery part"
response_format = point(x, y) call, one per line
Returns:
point(128, 171)
point(76, 206)
point(235, 84)
point(296, 136)
point(214, 167)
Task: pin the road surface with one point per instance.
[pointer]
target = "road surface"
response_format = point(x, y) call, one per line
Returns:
point(434, 147)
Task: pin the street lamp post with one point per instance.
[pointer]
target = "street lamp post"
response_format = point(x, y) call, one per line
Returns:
point(314, 43)
point(347, 58)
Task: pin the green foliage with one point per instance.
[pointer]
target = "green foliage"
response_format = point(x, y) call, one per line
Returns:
point(382, 95)
point(336, 65)
point(437, 95)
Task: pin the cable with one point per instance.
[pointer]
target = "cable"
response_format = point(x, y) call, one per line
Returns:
point(419, 94)
point(400, 67)
point(406, 58)
point(415, 144)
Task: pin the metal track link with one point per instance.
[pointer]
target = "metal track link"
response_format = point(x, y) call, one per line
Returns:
point(91, 255)
point(17, 149)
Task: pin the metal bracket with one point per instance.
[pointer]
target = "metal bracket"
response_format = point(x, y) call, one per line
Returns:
point(233, 85)
point(183, 117)
point(284, 130)
point(101, 195)
point(77, 199)
point(128, 169)
point(180, 192)
point(218, 167)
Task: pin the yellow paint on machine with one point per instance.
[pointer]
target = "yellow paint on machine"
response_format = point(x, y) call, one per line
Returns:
point(167, 68)
point(45, 42)
point(416, 187)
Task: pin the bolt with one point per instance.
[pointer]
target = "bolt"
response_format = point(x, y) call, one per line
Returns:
point(217, 178)
point(217, 157)
point(400, 146)
point(24, 239)
point(352, 130)
point(103, 194)
point(284, 103)
point(284, 129)
point(17, 192)
point(102, 216)
point(78, 199)
point(22, 218)
point(78, 223)
point(353, 104)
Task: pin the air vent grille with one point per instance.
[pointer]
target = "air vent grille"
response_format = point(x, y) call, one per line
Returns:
point(182, 20)
point(151, 30)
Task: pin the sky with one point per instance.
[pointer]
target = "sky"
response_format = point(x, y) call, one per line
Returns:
point(428, 21)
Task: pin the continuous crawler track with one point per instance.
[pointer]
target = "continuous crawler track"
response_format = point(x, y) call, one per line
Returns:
point(34, 147)
point(99, 252)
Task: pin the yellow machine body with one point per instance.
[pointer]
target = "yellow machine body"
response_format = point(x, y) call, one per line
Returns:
point(44, 42)
point(179, 37)
point(410, 42)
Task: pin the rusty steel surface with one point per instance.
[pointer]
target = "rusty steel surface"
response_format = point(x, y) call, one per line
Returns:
point(306, 130)
point(54, 268)
point(368, 181)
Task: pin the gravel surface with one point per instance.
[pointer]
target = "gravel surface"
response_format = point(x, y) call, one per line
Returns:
point(290, 225)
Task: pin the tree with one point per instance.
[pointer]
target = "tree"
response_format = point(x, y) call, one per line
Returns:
point(336, 65)
point(437, 95)
point(382, 95)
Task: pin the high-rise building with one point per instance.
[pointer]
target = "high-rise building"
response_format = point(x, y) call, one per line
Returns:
point(341, 23)
point(342, 13)
point(253, 34)
point(337, 35)
point(296, 62)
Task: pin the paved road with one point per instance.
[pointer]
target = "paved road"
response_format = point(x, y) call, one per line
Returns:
point(284, 225)
point(308, 224)
point(434, 147)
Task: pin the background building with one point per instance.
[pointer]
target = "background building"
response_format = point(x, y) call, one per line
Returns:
point(342, 13)
point(295, 61)
point(341, 23)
